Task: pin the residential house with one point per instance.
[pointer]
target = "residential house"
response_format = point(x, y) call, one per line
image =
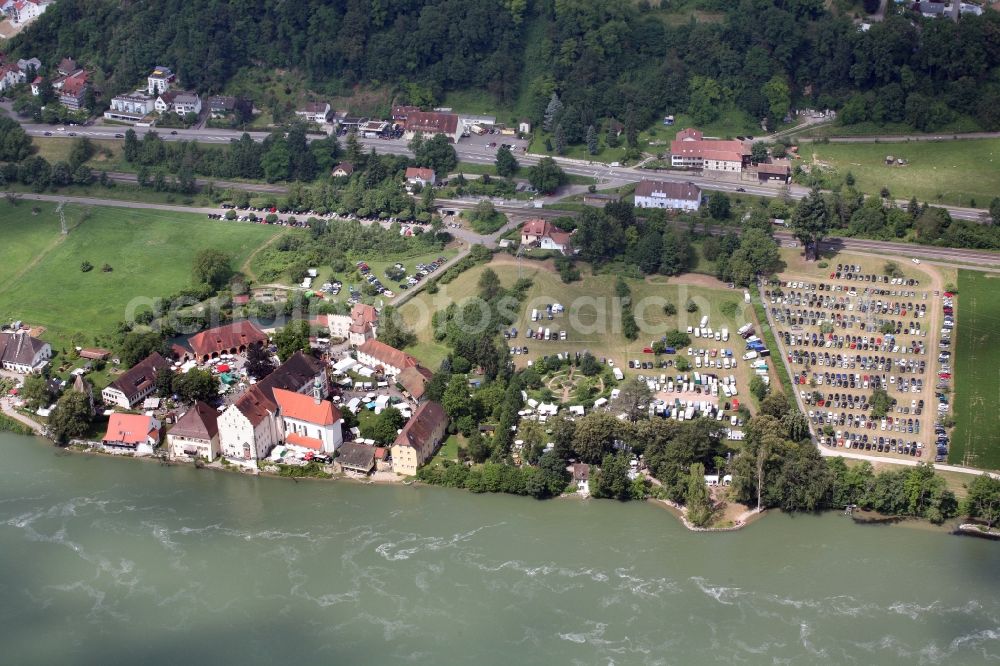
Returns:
point(187, 102)
point(130, 107)
point(130, 431)
point(164, 101)
point(524, 126)
point(299, 374)
point(667, 194)
point(378, 355)
point(21, 12)
point(357, 457)
point(66, 67)
point(414, 380)
point(432, 122)
point(581, 475)
point(160, 81)
point(196, 433)
point(73, 89)
point(358, 327)
point(220, 106)
point(343, 170)
point(314, 112)
point(25, 64)
point(232, 338)
point(309, 422)
point(420, 176)
point(419, 438)
point(21, 353)
point(547, 236)
point(134, 385)
point(10, 76)
point(248, 428)
point(94, 353)
point(692, 150)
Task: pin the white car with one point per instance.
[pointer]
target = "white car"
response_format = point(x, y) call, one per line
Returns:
point(915, 260)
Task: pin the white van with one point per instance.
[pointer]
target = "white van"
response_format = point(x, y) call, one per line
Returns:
point(704, 321)
point(749, 355)
point(725, 334)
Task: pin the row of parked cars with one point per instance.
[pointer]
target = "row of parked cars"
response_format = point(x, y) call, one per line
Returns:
point(888, 320)
point(422, 271)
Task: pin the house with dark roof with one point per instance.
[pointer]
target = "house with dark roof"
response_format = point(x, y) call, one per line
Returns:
point(220, 106)
point(380, 356)
point(419, 438)
point(545, 235)
point(775, 170)
point(314, 112)
point(21, 353)
point(357, 457)
point(196, 434)
point(342, 170)
point(232, 338)
point(299, 374)
point(249, 428)
point(668, 195)
point(134, 385)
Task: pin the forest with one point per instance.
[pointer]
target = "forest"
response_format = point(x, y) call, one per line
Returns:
point(603, 58)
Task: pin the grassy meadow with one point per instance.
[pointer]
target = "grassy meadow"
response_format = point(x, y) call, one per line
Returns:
point(946, 172)
point(977, 371)
point(149, 251)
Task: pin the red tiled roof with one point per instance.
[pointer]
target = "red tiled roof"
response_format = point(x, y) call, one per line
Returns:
point(131, 429)
point(346, 167)
point(389, 356)
point(419, 172)
point(231, 336)
point(432, 121)
point(670, 190)
point(545, 229)
point(778, 166)
point(414, 380)
point(255, 406)
point(362, 313)
point(303, 441)
point(74, 84)
point(95, 353)
point(304, 408)
point(690, 143)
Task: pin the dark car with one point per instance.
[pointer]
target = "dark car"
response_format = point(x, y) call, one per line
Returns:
point(173, 131)
point(119, 136)
point(48, 134)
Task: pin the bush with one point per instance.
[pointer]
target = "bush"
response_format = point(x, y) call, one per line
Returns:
point(670, 309)
point(691, 306)
point(86, 266)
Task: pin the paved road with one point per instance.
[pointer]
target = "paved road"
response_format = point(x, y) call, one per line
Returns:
point(909, 462)
point(606, 175)
point(901, 138)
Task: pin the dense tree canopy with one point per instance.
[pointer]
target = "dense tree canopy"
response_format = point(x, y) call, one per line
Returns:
point(586, 61)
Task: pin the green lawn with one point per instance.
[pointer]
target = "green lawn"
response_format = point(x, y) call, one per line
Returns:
point(949, 172)
point(448, 450)
point(591, 327)
point(150, 253)
point(977, 371)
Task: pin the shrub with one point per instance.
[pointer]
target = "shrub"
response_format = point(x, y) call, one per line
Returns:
point(86, 266)
point(691, 306)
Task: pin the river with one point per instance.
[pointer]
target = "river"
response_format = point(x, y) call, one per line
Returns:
point(110, 561)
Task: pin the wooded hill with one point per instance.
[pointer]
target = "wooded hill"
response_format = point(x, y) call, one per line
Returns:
point(605, 58)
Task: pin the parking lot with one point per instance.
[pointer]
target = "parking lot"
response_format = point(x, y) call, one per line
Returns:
point(854, 332)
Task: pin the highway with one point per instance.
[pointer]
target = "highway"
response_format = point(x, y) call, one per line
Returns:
point(606, 175)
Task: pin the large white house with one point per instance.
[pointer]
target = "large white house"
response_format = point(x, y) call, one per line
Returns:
point(248, 429)
point(309, 422)
point(131, 107)
point(160, 80)
point(196, 434)
point(21, 353)
point(377, 355)
point(666, 194)
point(545, 235)
point(24, 11)
point(357, 327)
point(314, 112)
point(133, 386)
point(692, 150)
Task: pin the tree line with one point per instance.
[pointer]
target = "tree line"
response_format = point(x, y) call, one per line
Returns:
point(603, 59)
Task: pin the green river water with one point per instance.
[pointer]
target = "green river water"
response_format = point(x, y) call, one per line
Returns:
point(109, 561)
